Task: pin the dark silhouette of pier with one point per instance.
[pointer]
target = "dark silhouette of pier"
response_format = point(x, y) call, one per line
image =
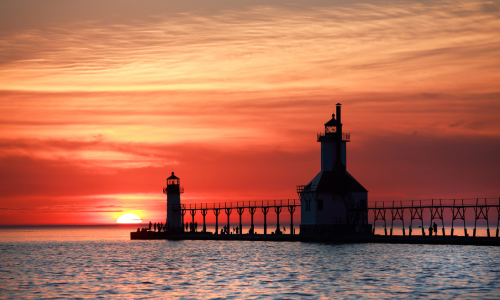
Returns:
point(264, 206)
point(413, 213)
point(335, 208)
point(439, 210)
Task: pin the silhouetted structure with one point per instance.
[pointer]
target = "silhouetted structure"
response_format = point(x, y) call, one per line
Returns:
point(241, 207)
point(435, 209)
point(334, 209)
point(333, 203)
point(173, 190)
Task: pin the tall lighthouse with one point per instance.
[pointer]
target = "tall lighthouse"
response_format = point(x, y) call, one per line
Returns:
point(173, 191)
point(333, 202)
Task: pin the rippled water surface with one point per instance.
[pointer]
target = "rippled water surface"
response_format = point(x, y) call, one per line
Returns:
point(103, 262)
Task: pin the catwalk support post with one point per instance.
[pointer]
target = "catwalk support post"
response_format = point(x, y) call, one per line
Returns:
point(217, 213)
point(204, 213)
point(252, 212)
point(228, 213)
point(277, 210)
point(291, 210)
point(265, 210)
point(240, 211)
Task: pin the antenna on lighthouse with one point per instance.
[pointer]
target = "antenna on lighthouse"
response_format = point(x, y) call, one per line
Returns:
point(339, 138)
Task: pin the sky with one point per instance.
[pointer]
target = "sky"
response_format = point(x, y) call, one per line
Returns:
point(101, 100)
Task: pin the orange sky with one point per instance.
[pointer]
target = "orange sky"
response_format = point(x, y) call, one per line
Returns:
point(100, 101)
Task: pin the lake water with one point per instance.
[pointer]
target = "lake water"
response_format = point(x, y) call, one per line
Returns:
point(102, 261)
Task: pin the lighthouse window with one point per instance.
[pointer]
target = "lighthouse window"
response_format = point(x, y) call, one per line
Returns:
point(308, 205)
point(331, 129)
point(320, 204)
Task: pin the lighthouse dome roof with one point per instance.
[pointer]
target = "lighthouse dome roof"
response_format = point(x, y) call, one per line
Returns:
point(173, 176)
point(332, 122)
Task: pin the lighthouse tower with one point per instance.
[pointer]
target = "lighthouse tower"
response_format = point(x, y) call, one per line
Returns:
point(333, 203)
point(173, 191)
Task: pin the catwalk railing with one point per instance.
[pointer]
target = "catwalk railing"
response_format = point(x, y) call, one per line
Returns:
point(413, 212)
point(346, 137)
point(422, 211)
point(240, 207)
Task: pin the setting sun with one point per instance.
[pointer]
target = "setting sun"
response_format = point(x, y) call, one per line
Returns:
point(129, 219)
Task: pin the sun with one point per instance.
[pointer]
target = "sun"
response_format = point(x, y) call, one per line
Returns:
point(129, 219)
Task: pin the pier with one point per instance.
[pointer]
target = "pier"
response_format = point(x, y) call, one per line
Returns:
point(334, 208)
point(264, 206)
point(440, 210)
point(414, 213)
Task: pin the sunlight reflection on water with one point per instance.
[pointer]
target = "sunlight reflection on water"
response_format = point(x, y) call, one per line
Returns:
point(119, 268)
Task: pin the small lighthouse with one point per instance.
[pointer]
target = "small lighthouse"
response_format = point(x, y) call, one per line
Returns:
point(333, 203)
point(173, 191)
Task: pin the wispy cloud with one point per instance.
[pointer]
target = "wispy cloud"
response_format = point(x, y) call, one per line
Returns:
point(398, 46)
point(94, 106)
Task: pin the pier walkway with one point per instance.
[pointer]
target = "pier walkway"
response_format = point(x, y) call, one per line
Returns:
point(265, 206)
point(440, 210)
point(353, 239)
point(413, 213)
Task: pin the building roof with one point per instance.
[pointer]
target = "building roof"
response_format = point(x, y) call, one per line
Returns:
point(335, 181)
point(173, 176)
point(332, 122)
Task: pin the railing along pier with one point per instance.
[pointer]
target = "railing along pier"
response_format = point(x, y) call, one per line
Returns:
point(418, 211)
point(241, 207)
point(439, 210)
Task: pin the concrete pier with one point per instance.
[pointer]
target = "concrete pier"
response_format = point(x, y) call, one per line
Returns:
point(354, 239)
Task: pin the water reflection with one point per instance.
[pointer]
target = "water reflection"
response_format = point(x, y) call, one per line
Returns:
point(120, 268)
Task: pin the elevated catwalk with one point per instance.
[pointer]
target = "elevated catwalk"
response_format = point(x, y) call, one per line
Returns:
point(419, 213)
point(334, 208)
